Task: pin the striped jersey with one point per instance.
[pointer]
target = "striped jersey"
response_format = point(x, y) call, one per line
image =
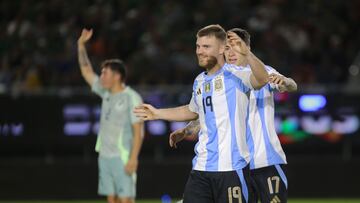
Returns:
point(221, 101)
point(263, 142)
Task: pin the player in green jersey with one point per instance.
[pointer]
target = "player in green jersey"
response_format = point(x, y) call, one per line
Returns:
point(120, 134)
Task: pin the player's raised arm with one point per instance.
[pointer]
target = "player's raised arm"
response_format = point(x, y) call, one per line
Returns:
point(148, 112)
point(85, 65)
point(259, 76)
point(284, 84)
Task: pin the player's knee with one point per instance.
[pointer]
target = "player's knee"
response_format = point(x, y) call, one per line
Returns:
point(111, 199)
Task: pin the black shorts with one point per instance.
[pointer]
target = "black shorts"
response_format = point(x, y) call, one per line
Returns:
point(269, 184)
point(218, 187)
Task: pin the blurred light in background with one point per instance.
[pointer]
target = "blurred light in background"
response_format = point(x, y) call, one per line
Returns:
point(354, 70)
point(96, 127)
point(316, 126)
point(97, 112)
point(156, 128)
point(349, 125)
point(177, 125)
point(281, 96)
point(83, 120)
point(165, 198)
point(76, 111)
point(77, 128)
point(11, 129)
point(312, 102)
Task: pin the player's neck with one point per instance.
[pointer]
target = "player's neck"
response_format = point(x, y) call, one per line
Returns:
point(118, 88)
point(215, 68)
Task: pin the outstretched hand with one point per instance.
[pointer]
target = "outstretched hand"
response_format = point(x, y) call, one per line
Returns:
point(146, 112)
point(85, 35)
point(237, 43)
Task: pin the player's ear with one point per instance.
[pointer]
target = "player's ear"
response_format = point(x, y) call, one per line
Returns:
point(118, 77)
point(121, 78)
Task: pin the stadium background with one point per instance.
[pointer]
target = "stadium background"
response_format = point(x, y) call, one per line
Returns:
point(49, 118)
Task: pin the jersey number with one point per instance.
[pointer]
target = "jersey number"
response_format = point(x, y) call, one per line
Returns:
point(234, 192)
point(207, 102)
point(277, 182)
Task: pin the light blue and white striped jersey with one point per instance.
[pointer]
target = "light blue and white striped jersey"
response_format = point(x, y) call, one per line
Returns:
point(263, 142)
point(221, 101)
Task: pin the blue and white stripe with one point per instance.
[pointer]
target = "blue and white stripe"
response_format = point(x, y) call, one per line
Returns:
point(264, 142)
point(222, 139)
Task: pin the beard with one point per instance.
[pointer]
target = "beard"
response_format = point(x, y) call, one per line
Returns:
point(209, 63)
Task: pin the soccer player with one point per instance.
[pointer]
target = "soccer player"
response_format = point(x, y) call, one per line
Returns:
point(121, 132)
point(220, 100)
point(268, 178)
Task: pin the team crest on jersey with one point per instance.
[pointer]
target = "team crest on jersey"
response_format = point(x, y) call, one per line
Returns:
point(207, 87)
point(218, 84)
point(119, 105)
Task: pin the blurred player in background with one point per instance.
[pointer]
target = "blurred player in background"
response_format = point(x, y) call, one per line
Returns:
point(220, 99)
point(267, 156)
point(121, 133)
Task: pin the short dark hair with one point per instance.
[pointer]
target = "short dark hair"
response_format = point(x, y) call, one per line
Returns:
point(243, 34)
point(116, 65)
point(212, 30)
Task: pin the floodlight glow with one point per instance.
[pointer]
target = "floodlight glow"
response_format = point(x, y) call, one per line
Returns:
point(312, 102)
point(156, 127)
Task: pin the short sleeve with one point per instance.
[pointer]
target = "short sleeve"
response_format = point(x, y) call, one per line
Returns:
point(245, 75)
point(97, 88)
point(135, 100)
point(242, 76)
point(193, 107)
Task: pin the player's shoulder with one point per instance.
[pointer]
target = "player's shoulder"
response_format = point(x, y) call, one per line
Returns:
point(234, 68)
point(133, 94)
point(201, 76)
point(199, 79)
